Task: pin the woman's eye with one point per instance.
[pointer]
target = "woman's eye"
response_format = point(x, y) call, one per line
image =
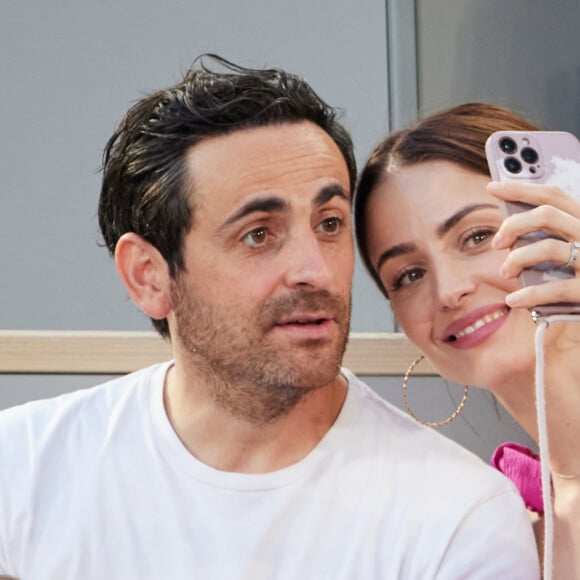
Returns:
point(331, 225)
point(256, 237)
point(477, 237)
point(407, 278)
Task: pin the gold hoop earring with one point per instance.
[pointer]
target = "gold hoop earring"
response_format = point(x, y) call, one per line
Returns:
point(407, 406)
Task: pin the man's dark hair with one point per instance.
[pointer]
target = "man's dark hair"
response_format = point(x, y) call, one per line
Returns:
point(146, 186)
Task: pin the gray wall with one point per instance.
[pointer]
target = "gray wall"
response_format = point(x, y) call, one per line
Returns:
point(522, 54)
point(69, 70)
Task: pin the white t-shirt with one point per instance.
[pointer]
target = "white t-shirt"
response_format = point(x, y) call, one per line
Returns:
point(96, 485)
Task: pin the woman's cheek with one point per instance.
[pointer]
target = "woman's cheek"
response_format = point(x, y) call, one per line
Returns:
point(414, 321)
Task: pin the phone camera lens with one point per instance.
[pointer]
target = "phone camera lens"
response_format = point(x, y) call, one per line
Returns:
point(529, 155)
point(512, 165)
point(508, 145)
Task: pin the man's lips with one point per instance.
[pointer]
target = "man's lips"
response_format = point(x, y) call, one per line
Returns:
point(307, 327)
point(486, 318)
point(305, 319)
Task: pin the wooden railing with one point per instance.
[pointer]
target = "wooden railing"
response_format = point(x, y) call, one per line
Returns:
point(119, 352)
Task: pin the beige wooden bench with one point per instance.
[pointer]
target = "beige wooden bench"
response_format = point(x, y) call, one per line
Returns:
point(119, 352)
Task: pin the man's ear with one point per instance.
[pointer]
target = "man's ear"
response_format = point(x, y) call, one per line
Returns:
point(145, 274)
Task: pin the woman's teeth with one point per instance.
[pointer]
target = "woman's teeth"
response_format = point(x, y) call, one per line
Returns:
point(479, 323)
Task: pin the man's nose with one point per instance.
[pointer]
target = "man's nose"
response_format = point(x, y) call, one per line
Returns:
point(308, 262)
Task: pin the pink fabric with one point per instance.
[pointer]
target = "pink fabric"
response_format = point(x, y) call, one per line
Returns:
point(522, 466)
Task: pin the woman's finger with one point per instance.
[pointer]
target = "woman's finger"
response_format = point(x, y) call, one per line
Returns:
point(535, 194)
point(545, 218)
point(567, 291)
point(545, 255)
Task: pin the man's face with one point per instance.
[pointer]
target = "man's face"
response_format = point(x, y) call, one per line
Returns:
point(264, 300)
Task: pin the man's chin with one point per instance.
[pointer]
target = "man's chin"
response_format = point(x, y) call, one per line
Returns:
point(315, 375)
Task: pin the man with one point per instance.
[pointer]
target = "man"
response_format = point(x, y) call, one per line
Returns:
point(226, 203)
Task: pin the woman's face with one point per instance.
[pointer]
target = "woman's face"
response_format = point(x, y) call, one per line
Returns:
point(429, 232)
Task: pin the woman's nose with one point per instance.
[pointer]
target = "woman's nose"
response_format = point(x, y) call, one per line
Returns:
point(453, 283)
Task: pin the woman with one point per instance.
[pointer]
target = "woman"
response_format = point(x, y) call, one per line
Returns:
point(432, 234)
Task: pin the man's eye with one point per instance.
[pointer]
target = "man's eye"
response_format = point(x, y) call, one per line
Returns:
point(255, 237)
point(331, 225)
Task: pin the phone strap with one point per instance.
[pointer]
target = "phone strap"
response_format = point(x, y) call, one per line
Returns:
point(543, 323)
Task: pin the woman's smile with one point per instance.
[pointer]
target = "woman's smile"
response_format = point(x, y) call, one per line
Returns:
point(476, 327)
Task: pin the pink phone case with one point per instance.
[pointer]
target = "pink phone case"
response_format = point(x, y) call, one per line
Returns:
point(548, 157)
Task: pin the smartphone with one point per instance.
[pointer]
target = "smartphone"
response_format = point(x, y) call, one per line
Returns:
point(547, 157)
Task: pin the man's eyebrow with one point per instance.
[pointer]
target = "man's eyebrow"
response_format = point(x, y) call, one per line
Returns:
point(277, 204)
point(328, 192)
point(265, 204)
point(459, 215)
point(393, 252)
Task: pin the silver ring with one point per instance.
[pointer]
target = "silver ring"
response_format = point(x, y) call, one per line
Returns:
point(574, 247)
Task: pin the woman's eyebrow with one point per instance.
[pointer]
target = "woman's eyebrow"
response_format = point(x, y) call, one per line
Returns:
point(460, 214)
point(393, 252)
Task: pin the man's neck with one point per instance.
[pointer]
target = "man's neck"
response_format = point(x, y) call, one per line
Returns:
point(235, 442)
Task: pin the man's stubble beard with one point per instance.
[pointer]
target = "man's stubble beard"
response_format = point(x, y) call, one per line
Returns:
point(251, 379)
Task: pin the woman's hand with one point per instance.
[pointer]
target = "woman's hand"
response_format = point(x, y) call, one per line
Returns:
point(557, 214)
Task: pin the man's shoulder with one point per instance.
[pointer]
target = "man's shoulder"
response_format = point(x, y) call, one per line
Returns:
point(35, 419)
point(417, 448)
point(424, 472)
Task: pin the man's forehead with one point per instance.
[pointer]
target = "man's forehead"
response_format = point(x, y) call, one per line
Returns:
point(270, 161)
